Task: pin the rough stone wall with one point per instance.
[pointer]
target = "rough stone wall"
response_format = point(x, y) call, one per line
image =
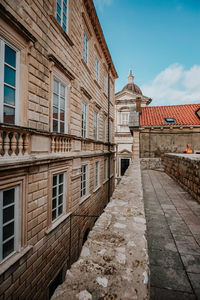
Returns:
point(151, 163)
point(114, 262)
point(157, 142)
point(185, 169)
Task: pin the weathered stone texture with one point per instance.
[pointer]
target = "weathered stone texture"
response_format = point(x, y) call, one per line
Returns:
point(185, 169)
point(151, 163)
point(114, 260)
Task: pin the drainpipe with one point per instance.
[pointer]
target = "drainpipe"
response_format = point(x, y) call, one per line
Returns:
point(109, 157)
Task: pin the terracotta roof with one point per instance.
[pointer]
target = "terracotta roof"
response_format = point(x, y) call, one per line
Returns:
point(183, 114)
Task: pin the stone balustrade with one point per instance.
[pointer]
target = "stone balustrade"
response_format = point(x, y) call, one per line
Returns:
point(61, 144)
point(14, 142)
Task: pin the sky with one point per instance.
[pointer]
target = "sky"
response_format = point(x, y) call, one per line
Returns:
point(160, 41)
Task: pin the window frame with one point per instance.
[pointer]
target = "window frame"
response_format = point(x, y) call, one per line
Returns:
point(85, 48)
point(62, 12)
point(96, 69)
point(16, 233)
point(124, 121)
point(85, 122)
point(104, 128)
point(62, 80)
point(96, 175)
point(86, 165)
point(105, 169)
point(58, 216)
point(95, 126)
point(4, 42)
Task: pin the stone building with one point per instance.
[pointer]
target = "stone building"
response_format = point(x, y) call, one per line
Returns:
point(56, 139)
point(127, 100)
point(167, 129)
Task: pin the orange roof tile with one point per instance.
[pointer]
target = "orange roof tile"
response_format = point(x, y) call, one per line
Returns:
point(183, 114)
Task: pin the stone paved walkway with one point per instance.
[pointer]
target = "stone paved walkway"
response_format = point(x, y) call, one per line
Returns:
point(173, 233)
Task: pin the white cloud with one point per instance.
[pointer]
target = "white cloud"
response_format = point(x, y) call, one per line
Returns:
point(174, 85)
point(100, 4)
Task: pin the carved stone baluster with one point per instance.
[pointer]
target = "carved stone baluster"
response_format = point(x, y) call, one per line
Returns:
point(26, 144)
point(52, 144)
point(1, 142)
point(62, 145)
point(13, 144)
point(59, 144)
point(6, 144)
point(56, 148)
point(20, 144)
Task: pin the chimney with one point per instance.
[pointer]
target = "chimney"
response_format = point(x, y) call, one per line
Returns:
point(138, 104)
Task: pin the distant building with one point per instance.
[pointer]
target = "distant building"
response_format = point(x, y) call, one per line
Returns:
point(128, 99)
point(56, 139)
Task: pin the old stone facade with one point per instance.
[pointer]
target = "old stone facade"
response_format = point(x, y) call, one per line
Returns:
point(56, 135)
point(128, 100)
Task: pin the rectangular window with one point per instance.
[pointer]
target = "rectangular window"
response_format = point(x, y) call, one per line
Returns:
point(58, 194)
point(95, 125)
point(9, 82)
point(84, 120)
point(8, 221)
point(105, 84)
point(84, 180)
point(96, 69)
point(59, 99)
point(61, 13)
point(125, 117)
point(96, 176)
point(85, 48)
point(110, 131)
point(111, 91)
point(104, 129)
point(105, 168)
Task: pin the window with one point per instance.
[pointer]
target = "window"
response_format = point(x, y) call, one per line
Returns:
point(96, 69)
point(84, 170)
point(125, 116)
point(59, 99)
point(85, 48)
point(111, 91)
point(105, 168)
point(96, 176)
point(84, 120)
point(58, 194)
point(95, 125)
point(61, 13)
point(9, 82)
point(104, 129)
point(170, 120)
point(105, 84)
point(110, 131)
point(8, 221)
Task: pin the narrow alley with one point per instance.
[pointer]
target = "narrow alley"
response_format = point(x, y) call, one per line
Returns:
point(173, 234)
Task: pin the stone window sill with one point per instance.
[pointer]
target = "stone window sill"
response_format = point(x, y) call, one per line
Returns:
point(86, 66)
point(97, 84)
point(106, 180)
point(83, 199)
point(9, 262)
point(97, 188)
point(57, 223)
point(62, 30)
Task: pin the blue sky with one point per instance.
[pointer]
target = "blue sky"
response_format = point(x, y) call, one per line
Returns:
point(160, 41)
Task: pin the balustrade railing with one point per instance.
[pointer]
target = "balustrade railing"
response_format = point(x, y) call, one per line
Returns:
point(61, 144)
point(13, 142)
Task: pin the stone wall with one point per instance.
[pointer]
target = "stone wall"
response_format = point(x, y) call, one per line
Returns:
point(114, 260)
point(151, 163)
point(185, 169)
point(155, 142)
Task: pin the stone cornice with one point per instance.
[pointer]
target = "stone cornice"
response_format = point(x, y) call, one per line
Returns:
point(61, 66)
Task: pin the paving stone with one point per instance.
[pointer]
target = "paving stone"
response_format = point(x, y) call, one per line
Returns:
point(167, 259)
point(170, 279)
point(195, 229)
point(191, 263)
point(188, 248)
point(161, 244)
point(197, 238)
point(164, 294)
point(195, 280)
point(181, 229)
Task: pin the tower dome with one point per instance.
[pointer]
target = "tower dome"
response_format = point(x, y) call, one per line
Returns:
point(131, 86)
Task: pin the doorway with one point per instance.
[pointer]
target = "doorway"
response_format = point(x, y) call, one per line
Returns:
point(124, 165)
